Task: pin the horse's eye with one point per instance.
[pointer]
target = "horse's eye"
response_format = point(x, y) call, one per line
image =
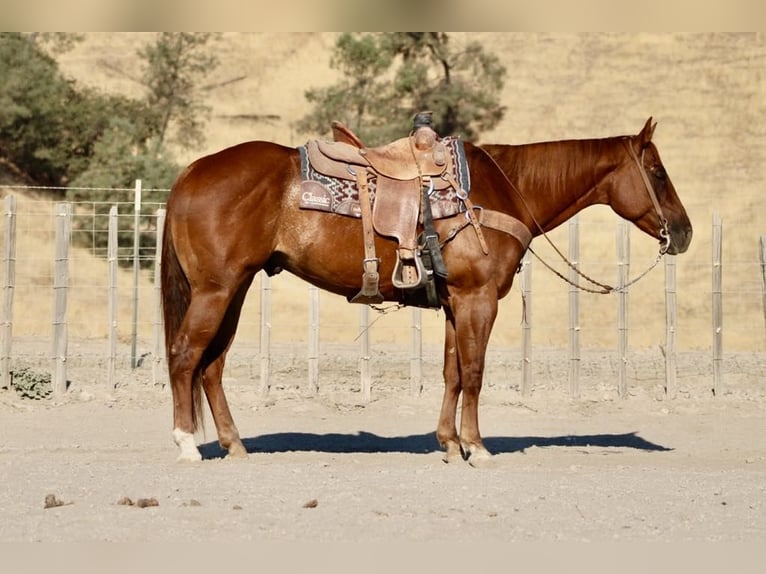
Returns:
point(659, 172)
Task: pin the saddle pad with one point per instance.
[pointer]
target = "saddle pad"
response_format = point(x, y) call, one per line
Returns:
point(341, 196)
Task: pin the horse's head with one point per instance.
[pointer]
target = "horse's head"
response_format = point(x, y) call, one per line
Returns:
point(642, 192)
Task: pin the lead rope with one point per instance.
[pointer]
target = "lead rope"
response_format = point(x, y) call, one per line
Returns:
point(604, 288)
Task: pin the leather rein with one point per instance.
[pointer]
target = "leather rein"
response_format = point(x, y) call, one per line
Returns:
point(603, 288)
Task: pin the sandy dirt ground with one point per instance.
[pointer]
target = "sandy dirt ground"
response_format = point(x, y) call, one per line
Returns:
point(331, 467)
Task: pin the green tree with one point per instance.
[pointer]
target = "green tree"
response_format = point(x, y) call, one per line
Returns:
point(48, 127)
point(174, 66)
point(56, 42)
point(139, 146)
point(118, 162)
point(389, 77)
point(54, 132)
point(172, 113)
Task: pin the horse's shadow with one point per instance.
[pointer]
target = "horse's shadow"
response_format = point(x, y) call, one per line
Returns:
point(364, 442)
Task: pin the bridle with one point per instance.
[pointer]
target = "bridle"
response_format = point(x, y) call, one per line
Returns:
point(603, 288)
point(664, 233)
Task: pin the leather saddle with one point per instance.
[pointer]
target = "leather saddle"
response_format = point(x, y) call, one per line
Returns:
point(404, 159)
point(404, 171)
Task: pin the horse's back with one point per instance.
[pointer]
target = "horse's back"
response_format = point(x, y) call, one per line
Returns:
point(236, 168)
point(224, 206)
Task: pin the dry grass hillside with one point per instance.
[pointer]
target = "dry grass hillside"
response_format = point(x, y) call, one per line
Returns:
point(705, 90)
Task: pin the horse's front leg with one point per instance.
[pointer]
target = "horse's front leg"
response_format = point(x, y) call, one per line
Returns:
point(474, 316)
point(446, 431)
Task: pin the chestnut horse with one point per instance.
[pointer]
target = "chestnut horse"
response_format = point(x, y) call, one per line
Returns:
point(236, 212)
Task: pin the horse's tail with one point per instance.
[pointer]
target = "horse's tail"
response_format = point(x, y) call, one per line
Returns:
point(176, 295)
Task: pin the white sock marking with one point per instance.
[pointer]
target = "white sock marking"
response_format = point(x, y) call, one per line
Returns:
point(185, 441)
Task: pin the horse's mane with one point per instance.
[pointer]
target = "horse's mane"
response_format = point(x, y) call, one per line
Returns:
point(556, 165)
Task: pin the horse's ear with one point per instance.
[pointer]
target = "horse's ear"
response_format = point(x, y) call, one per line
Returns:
point(646, 133)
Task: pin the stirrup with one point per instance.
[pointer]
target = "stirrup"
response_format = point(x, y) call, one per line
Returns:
point(400, 270)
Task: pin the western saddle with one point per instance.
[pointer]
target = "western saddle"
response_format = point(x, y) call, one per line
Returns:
point(406, 170)
point(406, 173)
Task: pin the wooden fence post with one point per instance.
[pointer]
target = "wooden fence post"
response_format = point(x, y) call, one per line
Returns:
point(623, 272)
point(416, 359)
point(762, 254)
point(313, 358)
point(136, 270)
point(265, 345)
point(60, 284)
point(9, 282)
point(158, 343)
point(113, 301)
point(574, 309)
point(717, 291)
point(671, 308)
point(364, 352)
point(526, 324)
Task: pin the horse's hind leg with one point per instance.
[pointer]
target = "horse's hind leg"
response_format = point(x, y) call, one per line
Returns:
point(212, 378)
point(199, 327)
point(228, 435)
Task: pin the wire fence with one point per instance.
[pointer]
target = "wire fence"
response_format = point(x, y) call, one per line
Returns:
point(403, 345)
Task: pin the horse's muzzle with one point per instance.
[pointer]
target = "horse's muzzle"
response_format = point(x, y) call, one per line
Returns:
point(680, 238)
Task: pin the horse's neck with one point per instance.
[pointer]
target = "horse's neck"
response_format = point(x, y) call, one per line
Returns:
point(557, 179)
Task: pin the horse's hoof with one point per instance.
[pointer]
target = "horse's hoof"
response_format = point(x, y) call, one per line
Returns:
point(189, 457)
point(480, 458)
point(237, 451)
point(189, 450)
point(452, 458)
point(453, 454)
